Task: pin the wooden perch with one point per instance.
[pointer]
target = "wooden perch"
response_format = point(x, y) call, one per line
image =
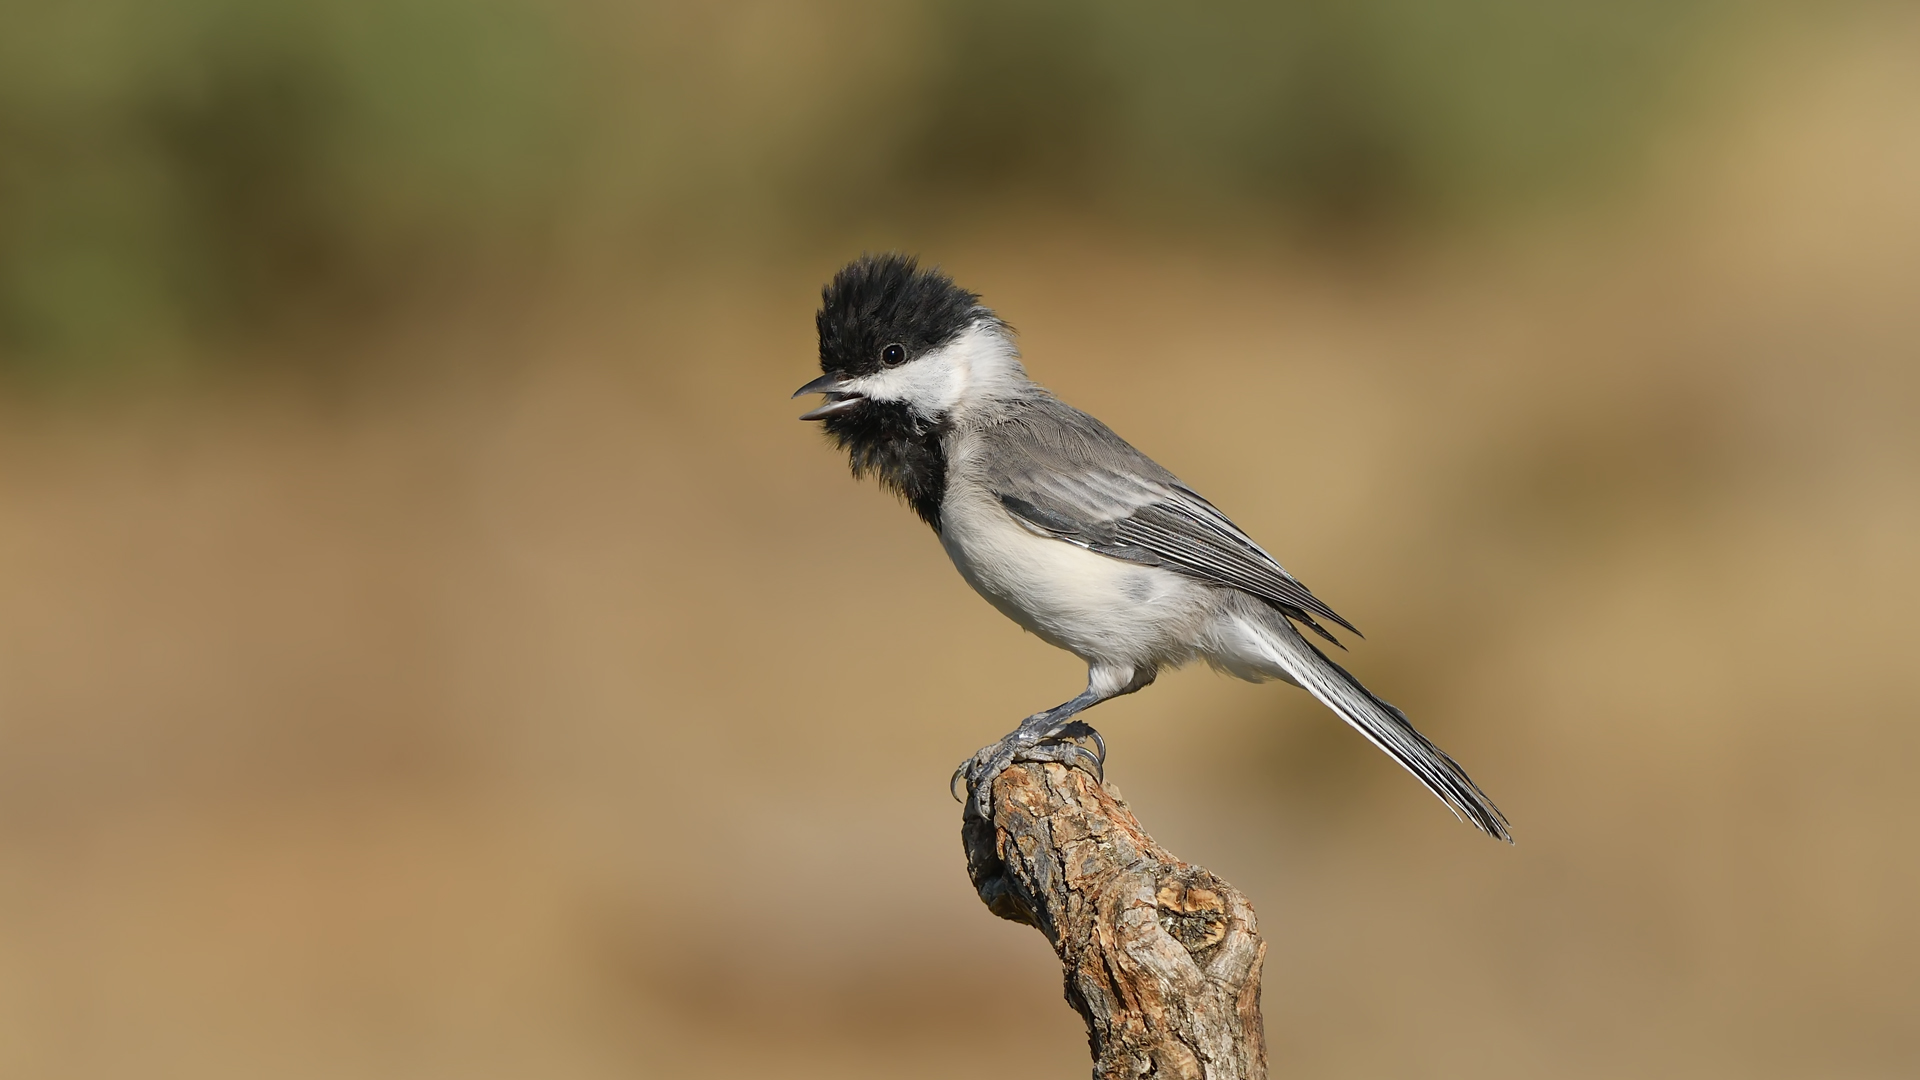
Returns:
point(1162, 959)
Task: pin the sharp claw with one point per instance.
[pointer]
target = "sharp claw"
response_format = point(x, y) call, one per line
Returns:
point(975, 775)
point(974, 778)
point(1080, 729)
point(1093, 764)
point(1063, 752)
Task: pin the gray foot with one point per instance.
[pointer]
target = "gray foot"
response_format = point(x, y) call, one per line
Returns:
point(976, 775)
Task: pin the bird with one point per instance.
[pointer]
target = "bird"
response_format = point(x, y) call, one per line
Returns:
point(1068, 530)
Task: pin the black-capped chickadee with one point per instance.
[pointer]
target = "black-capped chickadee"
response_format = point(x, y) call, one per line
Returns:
point(1068, 530)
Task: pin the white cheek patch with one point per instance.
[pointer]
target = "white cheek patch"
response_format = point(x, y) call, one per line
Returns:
point(979, 362)
point(930, 384)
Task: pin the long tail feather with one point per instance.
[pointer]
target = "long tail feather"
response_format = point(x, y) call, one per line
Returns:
point(1387, 728)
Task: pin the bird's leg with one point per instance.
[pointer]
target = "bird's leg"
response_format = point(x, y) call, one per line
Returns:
point(1036, 739)
point(1052, 735)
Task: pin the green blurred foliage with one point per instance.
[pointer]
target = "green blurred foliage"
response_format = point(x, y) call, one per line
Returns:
point(191, 172)
point(1341, 113)
point(176, 172)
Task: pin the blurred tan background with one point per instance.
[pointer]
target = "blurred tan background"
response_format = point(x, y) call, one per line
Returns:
point(430, 647)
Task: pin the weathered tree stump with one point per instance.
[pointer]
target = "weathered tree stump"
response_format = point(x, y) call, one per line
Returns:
point(1161, 959)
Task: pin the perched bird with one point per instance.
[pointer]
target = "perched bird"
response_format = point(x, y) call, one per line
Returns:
point(1067, 529)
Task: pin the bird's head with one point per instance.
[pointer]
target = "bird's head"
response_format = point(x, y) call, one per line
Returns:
point(904, 348)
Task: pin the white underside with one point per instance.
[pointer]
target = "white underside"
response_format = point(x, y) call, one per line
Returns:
point(1119, 617)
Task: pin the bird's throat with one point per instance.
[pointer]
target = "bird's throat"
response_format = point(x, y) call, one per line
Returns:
point(902, 448)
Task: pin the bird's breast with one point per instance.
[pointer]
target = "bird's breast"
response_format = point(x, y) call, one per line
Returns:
point(1099, 608)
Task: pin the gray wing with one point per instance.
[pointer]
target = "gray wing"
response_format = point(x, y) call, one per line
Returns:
point(1063, 473)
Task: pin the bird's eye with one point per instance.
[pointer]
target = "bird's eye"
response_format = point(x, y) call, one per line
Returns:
point(893, 355)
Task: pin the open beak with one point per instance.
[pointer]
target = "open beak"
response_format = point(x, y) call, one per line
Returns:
point(839, 398)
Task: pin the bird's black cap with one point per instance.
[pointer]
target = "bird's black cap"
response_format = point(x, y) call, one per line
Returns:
point(881, 300)
point(883, 310)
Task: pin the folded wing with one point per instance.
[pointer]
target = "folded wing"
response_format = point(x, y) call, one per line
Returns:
point(1075, 480)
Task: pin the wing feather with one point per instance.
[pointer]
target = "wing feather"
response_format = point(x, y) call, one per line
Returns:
point(1063, 473)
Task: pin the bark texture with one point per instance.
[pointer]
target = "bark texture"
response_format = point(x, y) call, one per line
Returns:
point(1162, 959)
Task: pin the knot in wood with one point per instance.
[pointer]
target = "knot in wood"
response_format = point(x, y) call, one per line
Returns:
point(1190, 912)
